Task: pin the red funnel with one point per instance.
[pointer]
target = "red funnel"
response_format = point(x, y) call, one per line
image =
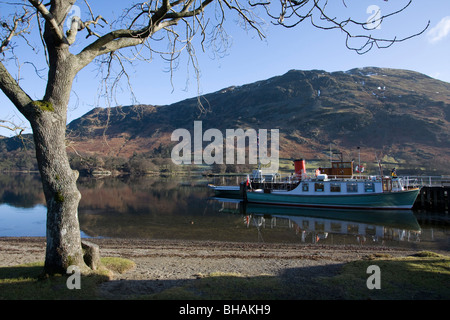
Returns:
point(300, 167)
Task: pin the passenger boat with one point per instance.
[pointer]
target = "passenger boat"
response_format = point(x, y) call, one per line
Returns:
point(336, 187)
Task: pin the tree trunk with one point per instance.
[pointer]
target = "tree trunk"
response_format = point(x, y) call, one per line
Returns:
point(58, 179)
point(61, 193)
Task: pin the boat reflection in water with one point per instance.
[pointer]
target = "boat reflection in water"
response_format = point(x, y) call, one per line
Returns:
point(327, 225)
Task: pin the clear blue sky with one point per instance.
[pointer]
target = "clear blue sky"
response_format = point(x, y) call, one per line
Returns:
point(250, 59)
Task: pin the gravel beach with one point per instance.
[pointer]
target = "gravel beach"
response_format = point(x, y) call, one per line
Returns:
point(161, 264)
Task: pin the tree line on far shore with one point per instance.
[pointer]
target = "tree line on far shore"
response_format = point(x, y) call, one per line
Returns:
point(156, 162)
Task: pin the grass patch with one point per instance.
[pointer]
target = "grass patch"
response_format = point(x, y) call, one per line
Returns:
point(118, 265)
point(225, 286)
point(26, 282)
point(423, 276)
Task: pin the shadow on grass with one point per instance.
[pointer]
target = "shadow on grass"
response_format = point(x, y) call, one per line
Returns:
point(420, 277)
point(425, 276)
point(410, 278)
point(22, 272)
point(298, 283)
point(27, 282)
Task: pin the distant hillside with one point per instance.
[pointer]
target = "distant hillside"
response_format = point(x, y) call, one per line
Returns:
point(398, 115)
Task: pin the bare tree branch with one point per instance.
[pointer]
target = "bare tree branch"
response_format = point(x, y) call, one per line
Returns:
point(164, 17)
point(9, 125)
point(50, 19)
point(371, 41)
point(293, 12)
point(15, 29)
point(78, 25)
point(13, 91)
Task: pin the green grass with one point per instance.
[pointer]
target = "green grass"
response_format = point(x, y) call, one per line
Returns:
point(225, 286)
point(425, 275)
point(117, 265)
point(27, 282)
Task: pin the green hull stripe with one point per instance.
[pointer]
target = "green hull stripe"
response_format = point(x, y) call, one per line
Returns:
point(388, 200)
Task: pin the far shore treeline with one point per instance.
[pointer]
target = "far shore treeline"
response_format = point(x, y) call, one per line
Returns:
point(157, 161)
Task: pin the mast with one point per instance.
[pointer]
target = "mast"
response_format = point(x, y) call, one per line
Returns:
point(359, 161)
point(331, 156)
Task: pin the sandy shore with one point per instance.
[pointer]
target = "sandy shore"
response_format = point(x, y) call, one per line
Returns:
point(161, 264)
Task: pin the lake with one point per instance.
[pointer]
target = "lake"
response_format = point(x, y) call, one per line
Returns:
point(183, 208)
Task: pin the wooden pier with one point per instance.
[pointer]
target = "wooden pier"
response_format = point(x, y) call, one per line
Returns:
point(434, 192)
point(433, 198)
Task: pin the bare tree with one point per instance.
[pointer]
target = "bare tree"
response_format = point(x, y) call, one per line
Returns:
point(142, 26)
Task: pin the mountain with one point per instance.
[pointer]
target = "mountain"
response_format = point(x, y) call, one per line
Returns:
point(399, 116)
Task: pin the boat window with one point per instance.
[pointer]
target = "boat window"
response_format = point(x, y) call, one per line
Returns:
point(305, 187)
point(341, 165)
point(319, 187)
point(319, 226)
point(352, 229)
point(352, 187)
point(335, 227)
point(369, 187)
point(335, 187)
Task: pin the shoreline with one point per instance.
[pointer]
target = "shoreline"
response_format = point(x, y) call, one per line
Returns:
point(162, 264)
point(32, 249)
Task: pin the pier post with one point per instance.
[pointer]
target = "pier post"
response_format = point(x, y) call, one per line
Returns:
point(243, 191)
point(433, 198)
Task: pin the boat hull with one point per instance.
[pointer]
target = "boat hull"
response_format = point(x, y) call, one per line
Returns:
point(403, 219)
point(226, 191)
point(385, 200)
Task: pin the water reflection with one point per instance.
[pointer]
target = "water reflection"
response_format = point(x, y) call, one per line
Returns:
point(181, 208)
point(21, 191)
point(22, 222)
point(328, 226)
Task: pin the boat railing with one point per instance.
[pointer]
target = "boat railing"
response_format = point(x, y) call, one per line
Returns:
point(288, 180)
point(225, 180)
point(425, 181)
point(408, 181)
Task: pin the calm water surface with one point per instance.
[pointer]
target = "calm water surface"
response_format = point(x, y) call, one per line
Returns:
point(182, 208)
